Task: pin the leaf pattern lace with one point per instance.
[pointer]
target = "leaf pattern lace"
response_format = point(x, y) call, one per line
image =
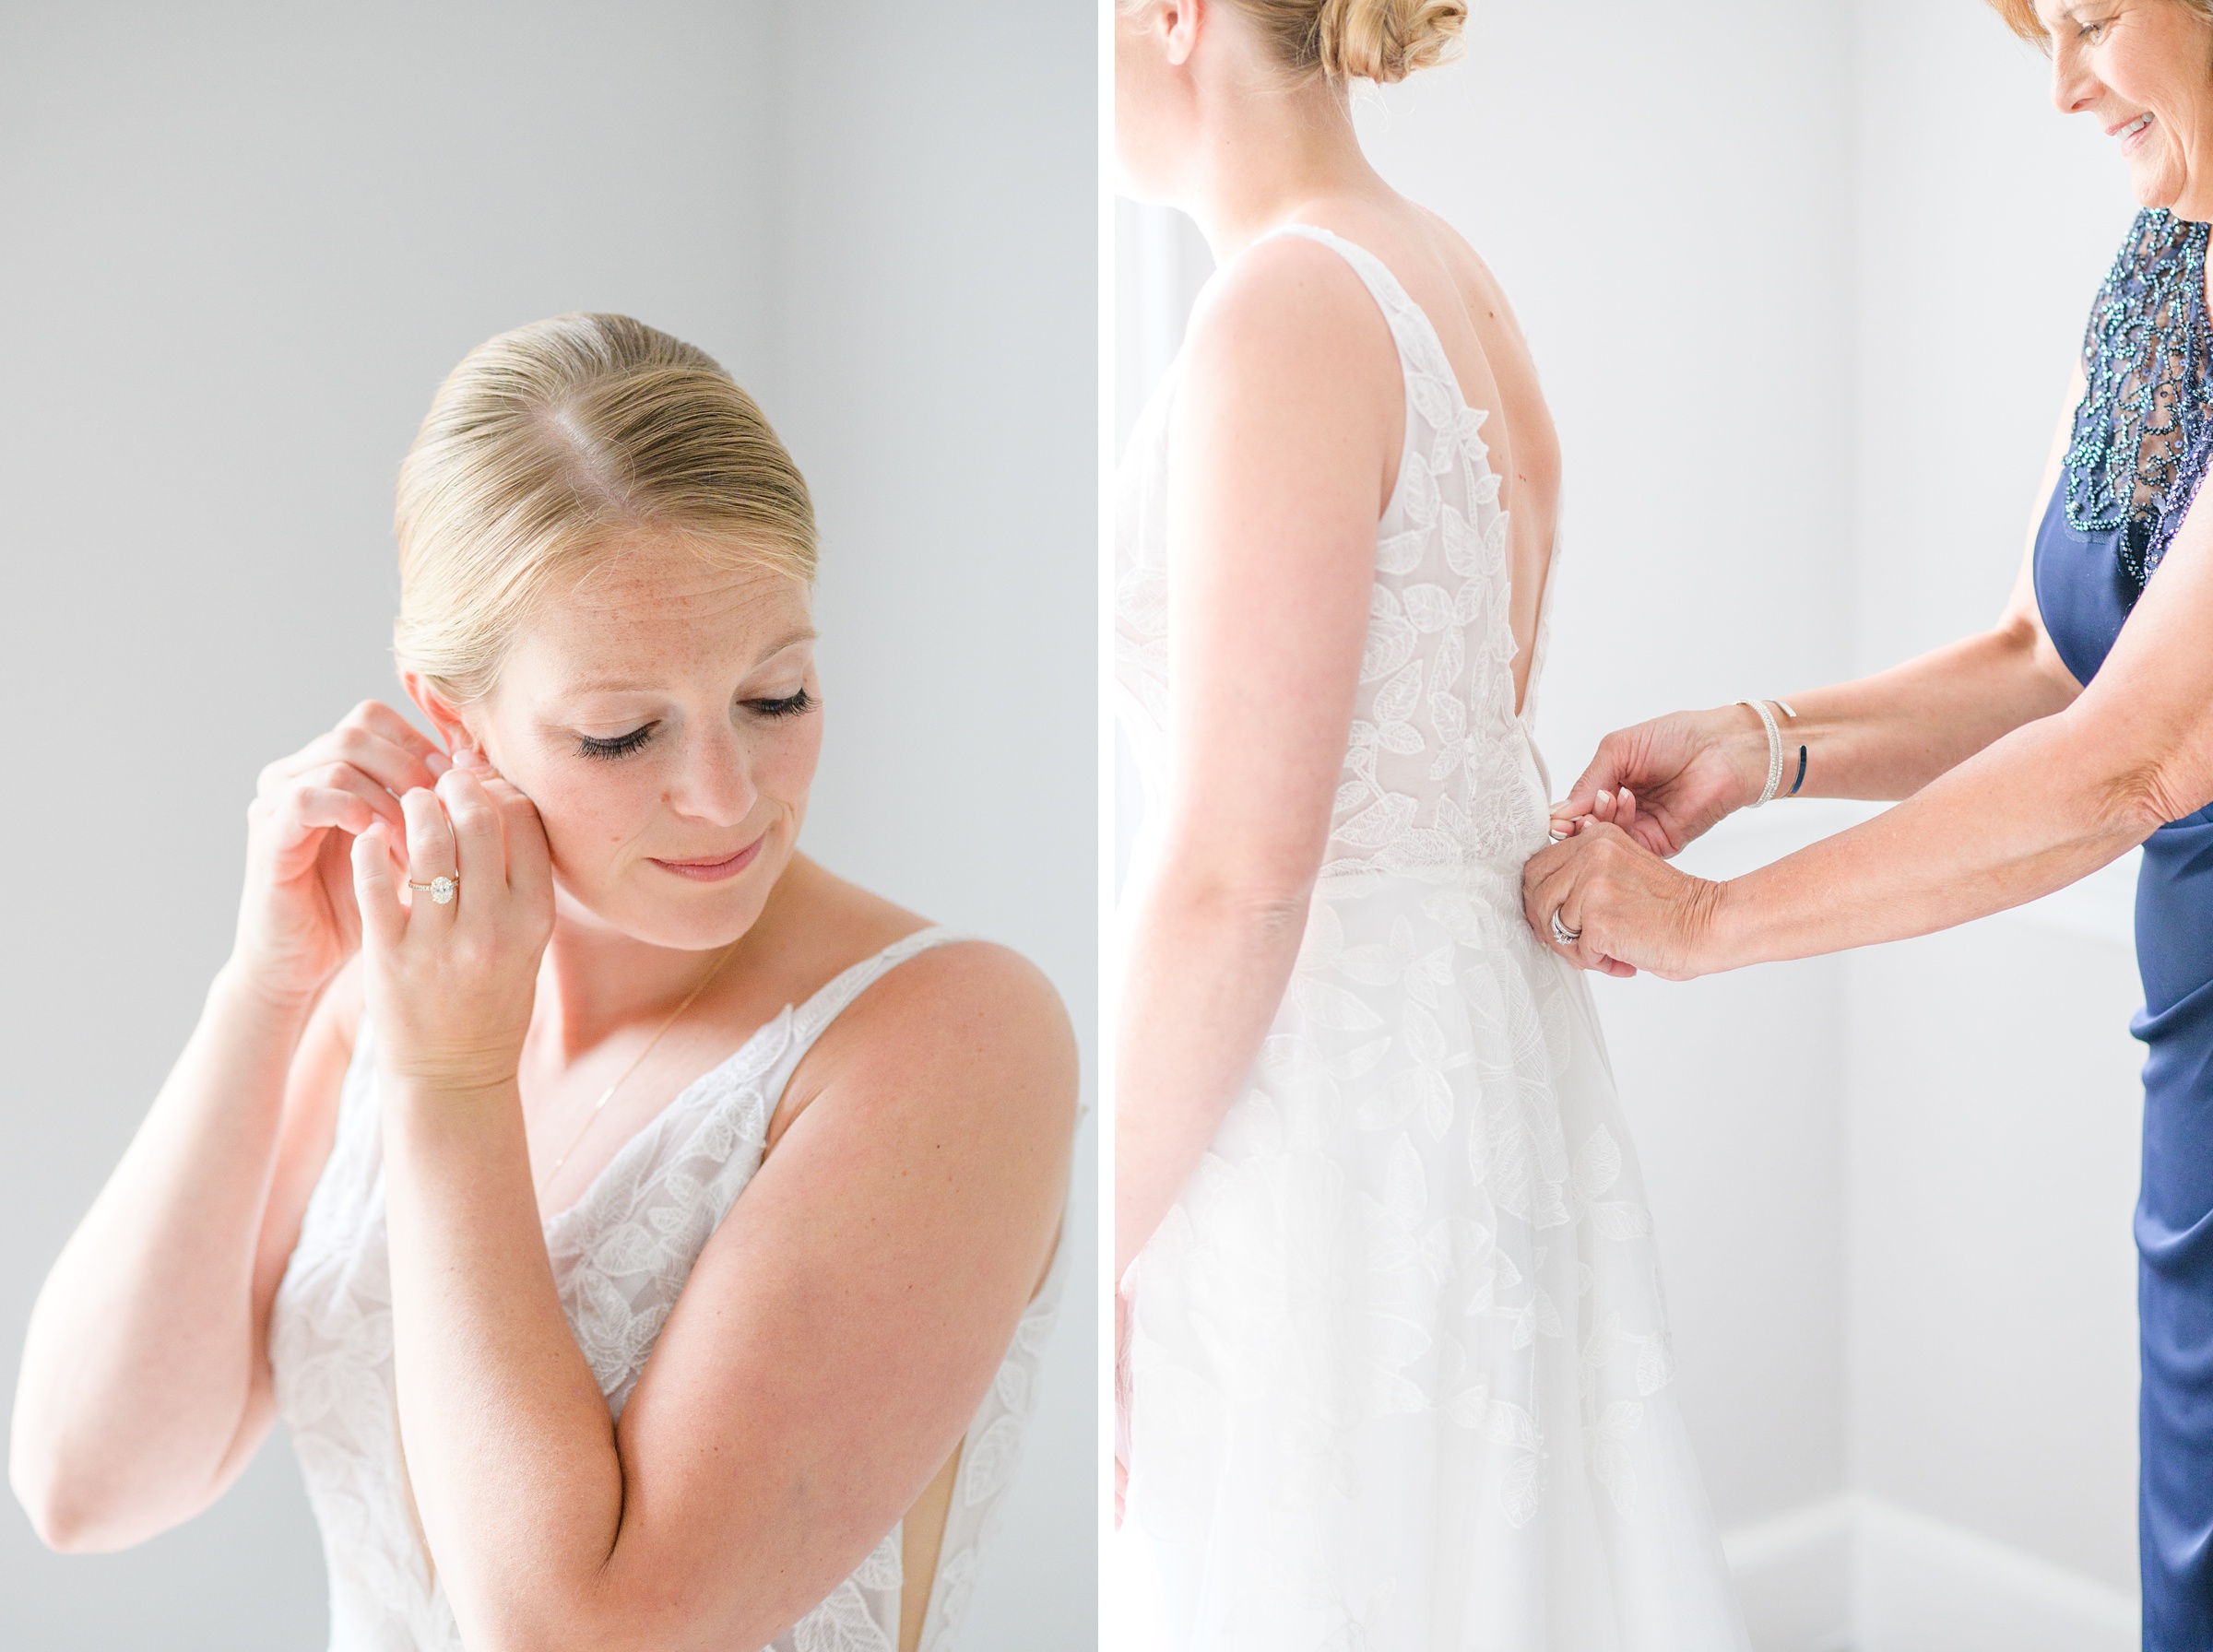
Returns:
point(620, 1257)
point(1400, 1369)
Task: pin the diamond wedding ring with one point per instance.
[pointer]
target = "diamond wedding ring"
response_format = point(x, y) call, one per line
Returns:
point(442, 890)
point(1561, 933)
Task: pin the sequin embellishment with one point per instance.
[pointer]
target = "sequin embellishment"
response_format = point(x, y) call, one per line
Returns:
point(2141, 434)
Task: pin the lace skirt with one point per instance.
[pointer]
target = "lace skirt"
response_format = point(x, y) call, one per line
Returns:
point(1399, 1359)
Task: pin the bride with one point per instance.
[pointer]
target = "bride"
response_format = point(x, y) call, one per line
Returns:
point(643, 1231)
point(1396, 1364)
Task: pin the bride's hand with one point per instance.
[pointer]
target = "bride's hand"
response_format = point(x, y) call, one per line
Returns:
point(1628, 908)
point(450, 983)
point(1686, 771)
point(297, 921)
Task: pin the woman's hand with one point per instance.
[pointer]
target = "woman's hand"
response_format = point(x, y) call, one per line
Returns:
point(297, 922)
point(1688, 771)
point(450, 983)
point(1628, 909)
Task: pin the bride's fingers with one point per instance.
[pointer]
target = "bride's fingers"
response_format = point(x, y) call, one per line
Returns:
point(431, 852)
point(529, 860)
point(376, 889)
point(478, 853)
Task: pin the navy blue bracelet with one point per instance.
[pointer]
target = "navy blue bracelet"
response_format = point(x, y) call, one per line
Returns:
point(1800, 780)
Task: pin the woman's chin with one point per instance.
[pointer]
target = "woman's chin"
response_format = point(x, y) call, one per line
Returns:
point(687, 917)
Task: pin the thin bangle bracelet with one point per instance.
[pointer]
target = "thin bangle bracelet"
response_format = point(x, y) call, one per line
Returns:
point(1800, 780)
point(1767, 721)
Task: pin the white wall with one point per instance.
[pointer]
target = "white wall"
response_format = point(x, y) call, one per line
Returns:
point(245, 241)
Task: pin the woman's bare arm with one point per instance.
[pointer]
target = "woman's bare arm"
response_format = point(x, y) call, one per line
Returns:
point(1287, 429)
point(146, 1383)
point(1882, 737)
point(2037, 809)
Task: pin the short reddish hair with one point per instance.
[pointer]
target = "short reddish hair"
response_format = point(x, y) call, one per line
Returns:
point(2021, 16)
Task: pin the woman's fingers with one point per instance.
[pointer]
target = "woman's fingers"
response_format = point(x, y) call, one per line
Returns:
point(316, 809)
point(432, 853)
point(391, 766)
point(1602, 775)
point(380, 722)
point(530, 859)
point(479, 850)
point(375, 889)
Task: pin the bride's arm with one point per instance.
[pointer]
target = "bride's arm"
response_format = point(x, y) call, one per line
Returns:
point(145, 1383)
point(1286, 429)
point(1882, 737)
point(829, 1347)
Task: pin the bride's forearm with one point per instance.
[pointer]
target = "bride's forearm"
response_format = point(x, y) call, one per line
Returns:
point(139, 1367)
point(1885, 737)
point(1207, 967)
point(510, 1449)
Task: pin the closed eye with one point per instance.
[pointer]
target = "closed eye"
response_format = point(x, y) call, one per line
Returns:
point(791, 706)
point(620, 744)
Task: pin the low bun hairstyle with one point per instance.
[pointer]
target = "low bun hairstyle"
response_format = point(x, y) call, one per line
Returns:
point(549, 443)
point(1383, 41)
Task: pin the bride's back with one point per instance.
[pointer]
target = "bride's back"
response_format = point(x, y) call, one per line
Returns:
point(1490, 357)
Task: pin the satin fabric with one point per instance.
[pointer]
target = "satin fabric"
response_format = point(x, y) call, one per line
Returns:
point(2085, 600)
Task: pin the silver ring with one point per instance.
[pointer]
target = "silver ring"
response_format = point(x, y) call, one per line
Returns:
point(442, 890)
point(1560, 932)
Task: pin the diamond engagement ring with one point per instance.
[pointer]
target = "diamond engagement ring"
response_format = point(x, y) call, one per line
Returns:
point(442, 890)
point(1561, 933)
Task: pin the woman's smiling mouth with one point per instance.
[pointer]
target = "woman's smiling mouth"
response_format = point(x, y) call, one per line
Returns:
point(716, 869)
point(2129, 132)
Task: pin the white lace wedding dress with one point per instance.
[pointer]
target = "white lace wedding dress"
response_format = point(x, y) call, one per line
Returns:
point(621, 1254)
point(1399, 1357)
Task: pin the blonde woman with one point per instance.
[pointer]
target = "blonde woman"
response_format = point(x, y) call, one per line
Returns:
point(644, 1234)
point(1398, 1368)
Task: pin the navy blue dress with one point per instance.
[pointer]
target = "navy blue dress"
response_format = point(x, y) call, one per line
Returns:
point(2088, 579)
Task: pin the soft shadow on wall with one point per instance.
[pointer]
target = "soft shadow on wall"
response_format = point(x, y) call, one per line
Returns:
point(248, 242)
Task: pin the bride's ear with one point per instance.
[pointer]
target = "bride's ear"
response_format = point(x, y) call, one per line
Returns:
point(1179, 23)
point(445, 716)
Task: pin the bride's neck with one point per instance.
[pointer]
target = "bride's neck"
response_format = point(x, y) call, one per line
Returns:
point(595, 979)
point(1262, 155)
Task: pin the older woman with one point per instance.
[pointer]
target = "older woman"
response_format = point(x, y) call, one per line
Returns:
point(631, 1220)
point(2077, 727)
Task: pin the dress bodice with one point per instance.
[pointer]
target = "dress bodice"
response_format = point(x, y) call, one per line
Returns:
point(1440, 774)
point(1399, 1366)
point(621, 1255)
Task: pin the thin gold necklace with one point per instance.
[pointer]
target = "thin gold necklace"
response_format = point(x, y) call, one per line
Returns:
point(639, 1060)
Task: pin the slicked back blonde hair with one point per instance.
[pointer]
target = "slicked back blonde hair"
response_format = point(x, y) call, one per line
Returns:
point(1383, 41)
point(549, 443)
point(2021, 16)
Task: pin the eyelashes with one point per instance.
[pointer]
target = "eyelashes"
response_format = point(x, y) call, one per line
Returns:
point(620, 744)
point(623, 745)
point(791, 706)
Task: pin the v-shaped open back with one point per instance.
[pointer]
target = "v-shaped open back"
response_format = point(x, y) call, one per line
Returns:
point(1392, 298)
point(1440, 772)
point(1398, 1358)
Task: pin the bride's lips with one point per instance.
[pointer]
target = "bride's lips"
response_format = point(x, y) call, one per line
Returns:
point(714, 870)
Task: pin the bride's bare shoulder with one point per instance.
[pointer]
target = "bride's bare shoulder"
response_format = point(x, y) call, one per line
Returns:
point(1286, 320)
